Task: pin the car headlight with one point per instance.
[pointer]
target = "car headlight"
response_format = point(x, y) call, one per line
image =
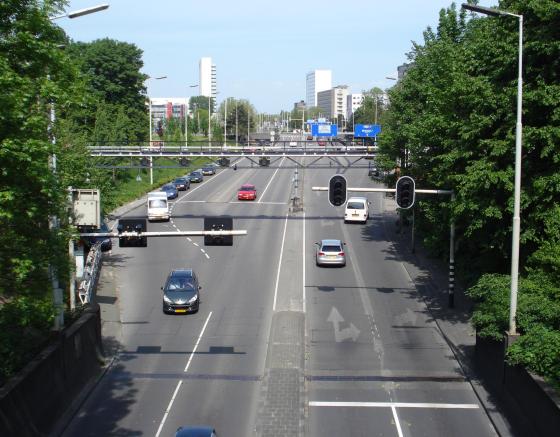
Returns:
point(193, 299)
point(166, 299)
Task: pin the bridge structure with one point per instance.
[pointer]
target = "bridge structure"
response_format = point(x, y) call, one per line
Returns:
point(261, 152)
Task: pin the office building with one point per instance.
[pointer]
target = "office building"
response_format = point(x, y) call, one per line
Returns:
point(353, 102)
point(207, 78)
point(317, 81)
point(164, 108)
point(333, 101)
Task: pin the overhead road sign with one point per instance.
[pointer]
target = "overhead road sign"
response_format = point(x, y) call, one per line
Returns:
point(324, 130)
point(366, 130)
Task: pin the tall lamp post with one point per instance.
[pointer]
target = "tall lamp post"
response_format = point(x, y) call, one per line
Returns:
point(150, 136)
point(518, 143)
point(53, 221)
point(187, 118)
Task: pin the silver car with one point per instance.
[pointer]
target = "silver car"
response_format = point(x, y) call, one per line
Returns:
point(330, 253)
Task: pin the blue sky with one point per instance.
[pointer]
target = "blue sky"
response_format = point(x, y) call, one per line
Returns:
point(262, 51)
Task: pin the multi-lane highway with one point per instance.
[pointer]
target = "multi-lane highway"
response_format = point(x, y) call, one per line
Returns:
point(279, 345)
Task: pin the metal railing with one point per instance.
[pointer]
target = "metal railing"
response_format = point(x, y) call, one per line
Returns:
point(88, 283)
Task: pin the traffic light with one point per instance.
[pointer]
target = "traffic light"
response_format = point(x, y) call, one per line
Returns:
point(264, 161)
point(218, 224)
point(337, 190)
point(184, 162)
point(405, 192)
point(132, 225)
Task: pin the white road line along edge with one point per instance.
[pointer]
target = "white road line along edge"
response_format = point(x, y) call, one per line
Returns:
point(279, 264)
point(395, 405)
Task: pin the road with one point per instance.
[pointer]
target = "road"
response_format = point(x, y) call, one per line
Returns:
point(279, 346)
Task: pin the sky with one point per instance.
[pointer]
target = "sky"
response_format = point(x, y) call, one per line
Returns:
point(262, 50)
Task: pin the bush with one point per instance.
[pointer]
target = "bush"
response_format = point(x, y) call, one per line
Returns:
point(538, 351)
point(538, 320)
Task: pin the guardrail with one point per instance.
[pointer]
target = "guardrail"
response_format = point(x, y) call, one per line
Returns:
point(335, 146)
point(91, 274)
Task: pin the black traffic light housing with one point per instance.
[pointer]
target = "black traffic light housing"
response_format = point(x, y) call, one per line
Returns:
point(337, 190)
point(405, 192)
point(132, 225)
point(218, 224)
point(184, 162)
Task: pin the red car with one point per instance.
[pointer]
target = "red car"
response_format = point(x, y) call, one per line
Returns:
point(247, 192)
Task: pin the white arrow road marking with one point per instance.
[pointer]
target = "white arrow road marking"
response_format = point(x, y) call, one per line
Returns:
point(344, 334)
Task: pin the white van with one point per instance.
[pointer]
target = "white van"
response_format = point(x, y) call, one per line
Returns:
point(357, 210)
point(158, 209)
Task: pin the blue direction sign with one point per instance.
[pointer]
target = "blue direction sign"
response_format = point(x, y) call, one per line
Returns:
point(366, 130)
point(324, 130)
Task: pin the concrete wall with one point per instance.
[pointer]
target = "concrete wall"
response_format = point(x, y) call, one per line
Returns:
point(531, 405)
point(34, 400)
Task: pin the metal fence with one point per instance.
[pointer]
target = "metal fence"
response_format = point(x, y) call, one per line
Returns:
point(91, 274)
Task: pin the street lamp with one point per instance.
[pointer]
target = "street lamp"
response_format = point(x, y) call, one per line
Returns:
point(82, 12)
point(150, 136)
point(517, 189)
point(53, 221)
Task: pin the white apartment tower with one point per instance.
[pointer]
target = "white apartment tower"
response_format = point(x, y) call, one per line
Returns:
point(317, 81)
point(353, 102)
point(207, 81)
point(333, 101)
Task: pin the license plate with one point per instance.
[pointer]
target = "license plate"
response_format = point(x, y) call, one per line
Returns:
point(331, 256)
point(354, 215)
point(180, 311)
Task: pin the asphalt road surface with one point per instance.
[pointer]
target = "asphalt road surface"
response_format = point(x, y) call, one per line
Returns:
point(279, 347)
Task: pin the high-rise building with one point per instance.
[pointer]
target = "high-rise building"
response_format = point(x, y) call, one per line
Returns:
point(353, 102)
point(317, 81)
point(207, 80)
point(333, 101)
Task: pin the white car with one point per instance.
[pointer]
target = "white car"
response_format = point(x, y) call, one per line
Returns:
point(357, 210)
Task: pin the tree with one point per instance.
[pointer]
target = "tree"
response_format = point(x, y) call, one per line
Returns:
point(112, 70)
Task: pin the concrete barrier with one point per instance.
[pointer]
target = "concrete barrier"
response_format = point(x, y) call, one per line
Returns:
point(531, 405)
point(33, 401)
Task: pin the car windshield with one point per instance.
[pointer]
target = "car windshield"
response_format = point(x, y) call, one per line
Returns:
point(247, 188)
point(157, 203)
point(195, 173)
point(331, 248)
point(355, 205)
point(180, 181)
point(168, 187)
point(181, 284)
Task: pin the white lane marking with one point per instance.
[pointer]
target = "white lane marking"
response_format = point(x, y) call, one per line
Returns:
point(181, 381)
point(257, 203)
point(207, 255)
point(395, 405)
point(303, 250)
point(194, 201)
point(198, 341)
point(279, 265)
point(189, 238)
point(397, 423)
point(169, 407)
point(267, 185)
point(196, 244)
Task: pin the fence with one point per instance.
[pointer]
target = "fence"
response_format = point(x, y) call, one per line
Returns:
point(91, 274)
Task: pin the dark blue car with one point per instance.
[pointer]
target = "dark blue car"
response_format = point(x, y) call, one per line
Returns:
point(196, 176)
point(170, 190)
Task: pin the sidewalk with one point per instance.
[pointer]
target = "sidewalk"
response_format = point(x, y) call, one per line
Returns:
point(430, 276)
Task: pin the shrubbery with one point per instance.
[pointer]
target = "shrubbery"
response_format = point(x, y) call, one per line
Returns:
point(538, 319)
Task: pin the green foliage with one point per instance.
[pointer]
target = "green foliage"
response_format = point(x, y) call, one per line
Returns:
point(539, 351)
point(117, 106)
point(36, 80)
point(25, 323)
